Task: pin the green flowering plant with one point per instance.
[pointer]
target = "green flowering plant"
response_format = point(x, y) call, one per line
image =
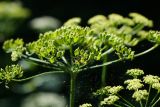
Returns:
point(73, 49)
point(136, 86)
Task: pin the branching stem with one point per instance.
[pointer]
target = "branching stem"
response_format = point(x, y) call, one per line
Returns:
point(44, 73)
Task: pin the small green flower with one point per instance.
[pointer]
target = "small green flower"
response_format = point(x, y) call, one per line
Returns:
point(115, 89)
point(110, 100)
point(140, 95)
point(150, 79)
point(86, 105)
point(135, 72)
point(156, 86)
point(133, 84)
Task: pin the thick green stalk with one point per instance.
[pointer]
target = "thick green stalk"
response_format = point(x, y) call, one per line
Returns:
point(103, 75)
point(104, 72)
point(72, 89)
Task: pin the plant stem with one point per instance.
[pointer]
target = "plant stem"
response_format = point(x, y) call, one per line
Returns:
point(141, 104)
point(124, 104)
point(137, 28)
point(104, 71)
point(103, 75)
point(156, 102)
point(118, 60)
point(146, 51)
point(71, 54)
point(126, 101)
point(72, 89)
point(44, 73)
point(40, 62)
point(116, 105)
point(154, 98)
point(148, 95)
point(108, 52)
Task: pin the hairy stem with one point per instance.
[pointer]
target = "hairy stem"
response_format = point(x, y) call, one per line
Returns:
point(44, 73)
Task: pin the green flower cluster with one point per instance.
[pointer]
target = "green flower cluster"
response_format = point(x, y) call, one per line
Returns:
point(140, 95)
point(15, 47)
point(133, 84)
point(10, 72)
point(135, 72)
point(128, 28)
point(85, 105)
point(110, 100)
point(111, 93)
point(154, 36)
point(150, 79)
point(73, 21)
point(136, 85)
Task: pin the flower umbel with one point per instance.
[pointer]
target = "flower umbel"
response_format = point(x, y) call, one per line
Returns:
point(156, 86)
point(110, 100)
point(10, 72)
point(150, 79)
point(86, 105)
point(140, 95)
point(133, 84)
point(135, 72)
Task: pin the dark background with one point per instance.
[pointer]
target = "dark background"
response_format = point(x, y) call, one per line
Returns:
point(65, 9)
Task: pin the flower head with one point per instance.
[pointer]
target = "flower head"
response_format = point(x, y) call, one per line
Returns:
point(150, 79)
point(135, 72)
point(110, 100)
point(140, 95)
point(156, 86)
point(115, 89)
point(133, 84)
point(86, 105)
point(10, 72)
